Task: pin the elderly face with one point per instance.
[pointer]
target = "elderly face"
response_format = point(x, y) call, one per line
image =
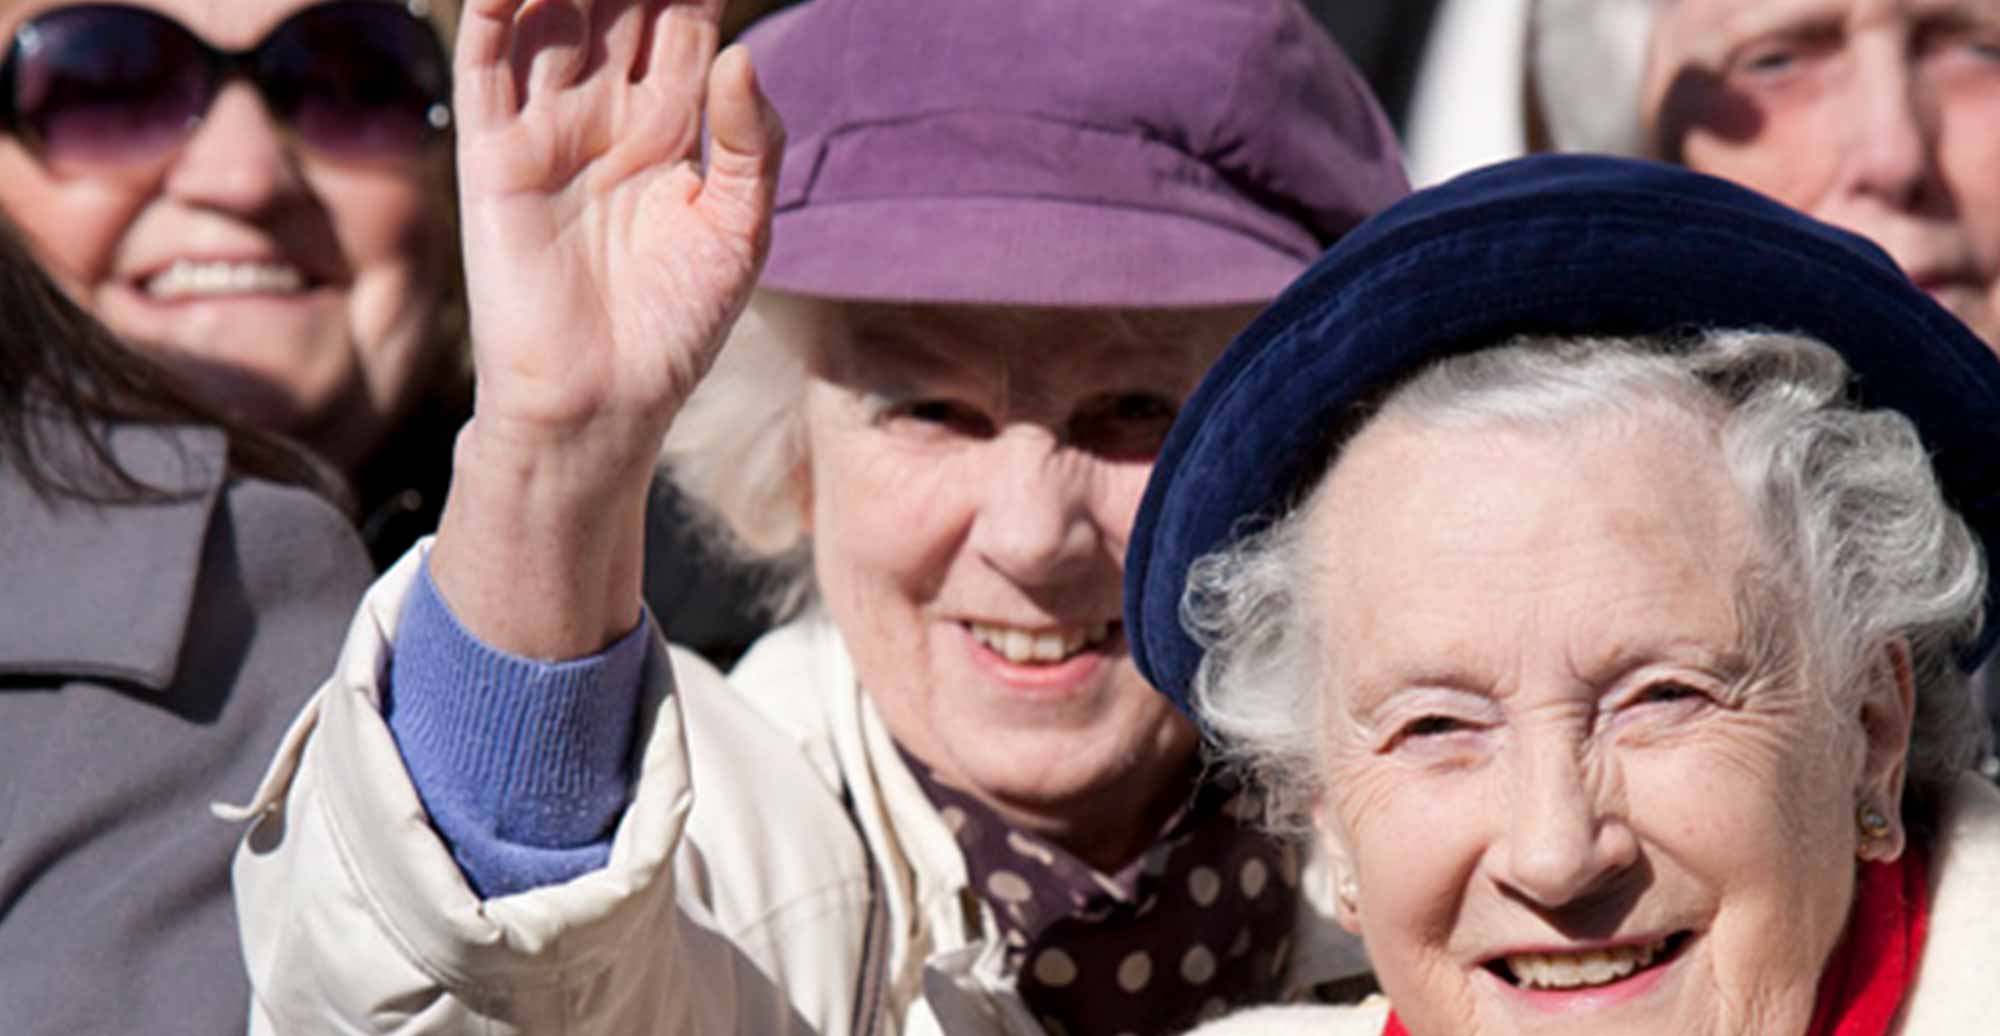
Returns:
point(296, 291)
point(974, 473)
point(1567, 801)
point(1874, 115)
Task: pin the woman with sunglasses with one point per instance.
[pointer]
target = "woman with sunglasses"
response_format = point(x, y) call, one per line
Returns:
point(170, 588)
point(258, 195)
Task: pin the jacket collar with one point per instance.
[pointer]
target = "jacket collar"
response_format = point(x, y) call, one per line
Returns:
point(1954, 988)
point(919, 854)
point(102, 591)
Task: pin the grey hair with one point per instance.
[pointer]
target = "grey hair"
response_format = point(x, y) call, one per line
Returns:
point(1587, 68)
point(1857, 545)
point(738, 446)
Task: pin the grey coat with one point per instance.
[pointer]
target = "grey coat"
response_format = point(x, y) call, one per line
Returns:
point(151, 656)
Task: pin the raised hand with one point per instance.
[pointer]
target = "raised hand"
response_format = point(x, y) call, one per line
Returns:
point(604, 267)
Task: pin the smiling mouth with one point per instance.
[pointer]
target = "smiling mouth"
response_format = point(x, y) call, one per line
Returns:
point(187, 278)
point(1587, 970)
point(1040, 647)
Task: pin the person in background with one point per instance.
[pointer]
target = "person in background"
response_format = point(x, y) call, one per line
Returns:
point(1877, 116)
point(1599, 593)
point(280, 231)
point(1006, 242)
point(166, 583)
point(1873, 115)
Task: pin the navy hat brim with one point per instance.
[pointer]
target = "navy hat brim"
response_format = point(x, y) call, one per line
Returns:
point(1554, 244)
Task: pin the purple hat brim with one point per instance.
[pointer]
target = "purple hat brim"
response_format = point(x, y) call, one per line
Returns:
point(1021, 252)
point(1557, 244)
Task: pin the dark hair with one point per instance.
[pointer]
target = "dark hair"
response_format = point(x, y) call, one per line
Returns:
point(64, 373)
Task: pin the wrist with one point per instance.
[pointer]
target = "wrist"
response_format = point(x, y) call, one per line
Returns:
point(540, 547)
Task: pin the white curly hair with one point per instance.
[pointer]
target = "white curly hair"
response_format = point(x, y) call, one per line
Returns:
point(1858, 546)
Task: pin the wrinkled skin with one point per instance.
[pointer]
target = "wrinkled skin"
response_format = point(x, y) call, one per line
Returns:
point(1546, 735)
point(1007, 450)
point(1877, 116)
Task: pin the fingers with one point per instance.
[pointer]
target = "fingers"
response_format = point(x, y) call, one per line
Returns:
point(504, 45)
point(621, 42)
point(482, 75)
point(551, 45)
point(680, 27)
point(746, 142)
point(666, 104)
point(511, 52)
point(684, 41)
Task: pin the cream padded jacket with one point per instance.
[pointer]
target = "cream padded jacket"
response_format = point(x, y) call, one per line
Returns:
point(778, 870)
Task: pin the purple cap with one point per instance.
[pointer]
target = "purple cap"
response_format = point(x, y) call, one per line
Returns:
point(1143, 153)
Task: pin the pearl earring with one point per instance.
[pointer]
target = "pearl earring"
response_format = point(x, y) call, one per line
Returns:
point(1873, 824)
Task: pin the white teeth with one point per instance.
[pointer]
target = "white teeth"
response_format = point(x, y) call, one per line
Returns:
point(1576, 970)
point(1021, 646)
point(187, 277)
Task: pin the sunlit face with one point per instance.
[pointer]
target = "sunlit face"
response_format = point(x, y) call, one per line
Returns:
point(1874, 115)
point(974, 474)
point(296, 292)
point(1544, 738)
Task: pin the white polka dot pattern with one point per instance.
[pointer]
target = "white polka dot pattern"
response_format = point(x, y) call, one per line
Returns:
point(1135, 972)
point(1198, 966)
point(1255, 874)
point(1009, 887)
point(1181, 933)
point(1204, 885)
point(1055, 969)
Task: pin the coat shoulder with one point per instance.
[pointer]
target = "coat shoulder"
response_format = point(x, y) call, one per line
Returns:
point(1953, 990)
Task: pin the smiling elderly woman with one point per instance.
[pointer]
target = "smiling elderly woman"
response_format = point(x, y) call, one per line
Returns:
point(1006, 241)
point(1573, 550)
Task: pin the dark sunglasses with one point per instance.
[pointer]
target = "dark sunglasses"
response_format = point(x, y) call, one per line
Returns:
point(109, 84)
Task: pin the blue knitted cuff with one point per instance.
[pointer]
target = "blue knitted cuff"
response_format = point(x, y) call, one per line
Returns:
point(524, 766)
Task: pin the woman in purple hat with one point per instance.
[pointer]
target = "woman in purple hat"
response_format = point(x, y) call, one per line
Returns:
point(1006, 241)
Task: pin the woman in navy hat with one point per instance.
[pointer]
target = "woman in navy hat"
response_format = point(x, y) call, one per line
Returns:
point(1006, 241)
point(1585, 555)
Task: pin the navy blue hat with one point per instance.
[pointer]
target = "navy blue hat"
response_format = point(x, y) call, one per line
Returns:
point(1555, 244)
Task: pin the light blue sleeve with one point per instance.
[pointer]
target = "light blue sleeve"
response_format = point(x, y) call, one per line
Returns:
point(524, 766)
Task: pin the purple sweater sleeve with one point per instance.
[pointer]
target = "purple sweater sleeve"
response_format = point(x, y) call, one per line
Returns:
point(523, 766)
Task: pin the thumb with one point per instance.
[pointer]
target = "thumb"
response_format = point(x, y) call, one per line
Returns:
point(746, 143)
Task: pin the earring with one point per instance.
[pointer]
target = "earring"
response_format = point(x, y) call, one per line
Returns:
point(1350, 894)
point(1872, 823)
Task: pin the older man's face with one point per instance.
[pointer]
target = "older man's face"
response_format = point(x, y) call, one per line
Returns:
point(1880, 116)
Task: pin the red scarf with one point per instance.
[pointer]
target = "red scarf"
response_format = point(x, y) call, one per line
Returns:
point(1869, 975)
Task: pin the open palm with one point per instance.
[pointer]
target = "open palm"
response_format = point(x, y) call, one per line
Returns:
point(604, 263)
